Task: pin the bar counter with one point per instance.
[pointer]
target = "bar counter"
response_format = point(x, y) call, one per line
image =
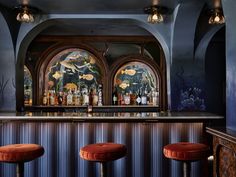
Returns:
point(111, 117)
point(63, 134)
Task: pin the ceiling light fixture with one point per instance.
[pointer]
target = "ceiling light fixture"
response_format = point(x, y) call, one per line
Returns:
point(217, 16)
point(25, 15)
point(155, 13)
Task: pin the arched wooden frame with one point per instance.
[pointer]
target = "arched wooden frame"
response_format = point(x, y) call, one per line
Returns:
point(146, 61)
point(48, 55)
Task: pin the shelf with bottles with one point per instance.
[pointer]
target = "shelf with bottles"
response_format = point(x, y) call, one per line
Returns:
point(74, 97)
point(135, 83)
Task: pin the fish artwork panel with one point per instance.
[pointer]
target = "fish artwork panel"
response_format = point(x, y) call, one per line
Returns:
point(130, 72)
point(88, 77)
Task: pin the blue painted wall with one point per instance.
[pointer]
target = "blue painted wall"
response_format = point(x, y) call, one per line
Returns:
point(229, 7)
point(7, 68)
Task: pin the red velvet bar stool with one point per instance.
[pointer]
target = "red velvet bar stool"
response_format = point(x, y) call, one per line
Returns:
point(19, 154)
point(187, 153)
point(103, 153)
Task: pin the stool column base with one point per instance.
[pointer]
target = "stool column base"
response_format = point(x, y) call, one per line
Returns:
point(20, 169)
point(186, 169)
point(103, 169)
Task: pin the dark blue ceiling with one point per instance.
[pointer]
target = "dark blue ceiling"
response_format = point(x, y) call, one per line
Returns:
point(90, 6)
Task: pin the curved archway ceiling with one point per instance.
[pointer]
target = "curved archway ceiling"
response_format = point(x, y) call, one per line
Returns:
point(94, 27)
point(90, 6)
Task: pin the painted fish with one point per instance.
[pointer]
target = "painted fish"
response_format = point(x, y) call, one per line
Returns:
point(67, 64)
point(57, 75)
point(74, 55)
point(70, 86)
point(130, 72)
point(91, 60)
point(88, 77)
point(124, 85)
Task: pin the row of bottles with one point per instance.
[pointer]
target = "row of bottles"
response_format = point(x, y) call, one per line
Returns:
point(74, 97)
point(141, 97)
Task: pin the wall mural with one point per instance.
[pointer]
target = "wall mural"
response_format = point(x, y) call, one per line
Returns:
point(134, 77)
point(188, 92)
point(72, 69)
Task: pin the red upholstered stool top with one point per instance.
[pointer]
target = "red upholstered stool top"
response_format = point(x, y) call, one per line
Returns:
point(14, 153)
point(102, 152)
point(186, 151)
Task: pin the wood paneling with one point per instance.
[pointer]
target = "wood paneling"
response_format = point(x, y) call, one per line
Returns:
point(224, 150)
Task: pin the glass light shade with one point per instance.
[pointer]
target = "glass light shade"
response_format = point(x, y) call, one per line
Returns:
point(155, 17)
point(25, 16)
point(216, 18)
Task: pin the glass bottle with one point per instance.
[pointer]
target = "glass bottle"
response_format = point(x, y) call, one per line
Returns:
point(95, 97)
point(60, 98)
point(52, 99)
point(45, 98)
point(115, 97)
point(144, 97)
point(127, 99)
point(69, 98)
point(85, 97)
point(138, 99)
point(100, 95)
point(154, 97)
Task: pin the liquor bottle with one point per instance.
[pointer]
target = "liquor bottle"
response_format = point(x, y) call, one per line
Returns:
point(127, 98)
point(77, 98)
point(52, 99)
point(45, 98)
point(100, 95)
point(132, 98)
point(69, 98)
point(60, 98)
point(91, 97)
point(122, 98)
point(85, 96)
point(73, 96)
point(138, 99)
point(27, 95)
point(154, 97)
point(115, 97)
point(95, 97)
point(144, 97)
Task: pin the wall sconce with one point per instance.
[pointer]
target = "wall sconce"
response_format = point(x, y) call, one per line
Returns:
point(217, 17)
point(155, 13)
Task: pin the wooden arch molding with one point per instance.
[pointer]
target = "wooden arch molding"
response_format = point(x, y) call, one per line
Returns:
point(49, 53)
point(159, 72)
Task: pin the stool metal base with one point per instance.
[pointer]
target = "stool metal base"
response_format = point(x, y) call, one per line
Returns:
point(103, 171)
point(20, 169)
point(186, 169)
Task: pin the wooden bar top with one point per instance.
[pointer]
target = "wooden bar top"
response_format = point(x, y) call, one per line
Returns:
point(222, 132)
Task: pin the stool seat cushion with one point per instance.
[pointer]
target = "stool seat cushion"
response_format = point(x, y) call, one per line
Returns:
point(186, 151)
point(15, 153)
point(102, 152)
